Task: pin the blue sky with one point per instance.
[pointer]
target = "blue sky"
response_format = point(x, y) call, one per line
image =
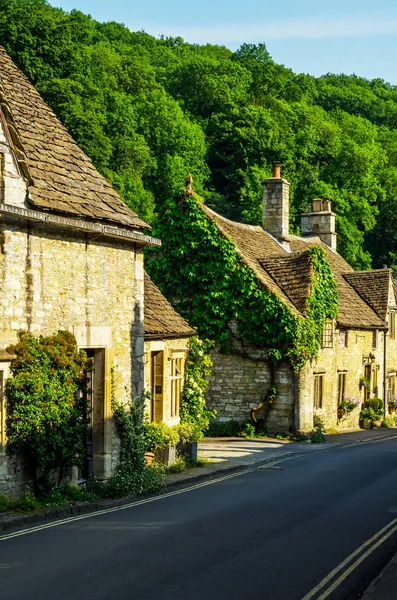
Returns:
point(351, 36)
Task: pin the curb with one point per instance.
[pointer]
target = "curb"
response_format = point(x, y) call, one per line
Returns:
point(384, 586)
point(9, 521)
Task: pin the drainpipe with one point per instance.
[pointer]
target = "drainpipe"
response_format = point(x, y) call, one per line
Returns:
point(384, 368)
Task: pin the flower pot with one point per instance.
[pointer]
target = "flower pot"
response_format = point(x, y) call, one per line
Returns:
point(148, 459)
point(367, 424)
point(188, 450)
point(377, 422)
point(167, 455)
point(341, 413)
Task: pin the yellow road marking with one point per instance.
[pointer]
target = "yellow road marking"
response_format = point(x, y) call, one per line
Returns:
point(344, 563)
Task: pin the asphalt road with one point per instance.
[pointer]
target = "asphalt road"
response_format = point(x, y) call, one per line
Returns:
point(271, 534)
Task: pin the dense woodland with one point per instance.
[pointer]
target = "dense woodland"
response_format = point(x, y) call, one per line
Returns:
point(147, 111)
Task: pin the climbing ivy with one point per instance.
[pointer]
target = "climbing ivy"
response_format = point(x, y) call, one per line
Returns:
point(197, 370)
point(200, 271)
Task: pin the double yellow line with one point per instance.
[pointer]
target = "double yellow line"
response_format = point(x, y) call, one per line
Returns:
point(372, 544)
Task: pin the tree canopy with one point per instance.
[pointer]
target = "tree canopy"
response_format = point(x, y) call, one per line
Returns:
point(147, 111)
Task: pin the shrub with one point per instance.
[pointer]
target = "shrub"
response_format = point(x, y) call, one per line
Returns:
point(375, 403)
point(318, 423)
point(46, 405)
point(225, 428)
point(160, 435)
point(189, 433)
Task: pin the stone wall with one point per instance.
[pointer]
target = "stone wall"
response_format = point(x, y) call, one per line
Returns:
point(54, 278)
point(351, 360)
point(237, 384)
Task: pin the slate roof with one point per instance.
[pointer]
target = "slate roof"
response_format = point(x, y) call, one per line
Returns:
point(160, 318)
point(373, 287)
point(62, 179)
point(292, 273)
point(252, 242)
point(286, 273)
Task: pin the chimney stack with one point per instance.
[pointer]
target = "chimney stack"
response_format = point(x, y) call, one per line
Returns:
point(318, 219)
point(275, 205)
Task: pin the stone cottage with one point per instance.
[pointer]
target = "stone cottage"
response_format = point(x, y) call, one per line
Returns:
point(357, 357)
point(360, 344)
point(71, 258)
point(166, 344)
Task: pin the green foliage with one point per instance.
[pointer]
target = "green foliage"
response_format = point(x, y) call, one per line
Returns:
point(46, 407)
point(376, 404)
point(203, 274)
point(367, 413)
point(149, 110)
point(318, 423)
point(197, 371)
point(228, 428)
point(317, 436)
point(248, 431)
point(190, 431)
point(389, 421)
point(132, 476)
point(160, 435)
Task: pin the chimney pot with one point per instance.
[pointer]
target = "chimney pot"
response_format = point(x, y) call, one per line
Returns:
point(317, 205)
point(276, 170)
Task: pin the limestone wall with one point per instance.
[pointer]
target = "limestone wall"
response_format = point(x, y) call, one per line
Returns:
point(237, 384)
point(55, 279)
point(351, 360)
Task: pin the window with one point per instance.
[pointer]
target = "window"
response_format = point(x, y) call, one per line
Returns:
point(367, 388)
point(342, 338)
point(393, 325)
point(375, 380)
point(327, 334)
point(391, 385)
point(341, 386)
point(375, 339)
point(176, 385)
point(318, 391)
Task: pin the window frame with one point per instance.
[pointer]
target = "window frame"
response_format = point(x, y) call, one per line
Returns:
point(341, 392)
point(176, 383)
point(318, 390)
point(327, 334)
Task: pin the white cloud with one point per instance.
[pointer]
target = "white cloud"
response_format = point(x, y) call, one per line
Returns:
point(351, 26)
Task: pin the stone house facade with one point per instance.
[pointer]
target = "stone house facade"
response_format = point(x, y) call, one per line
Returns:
point(360, 343)
point(166, 344)
point(71, 258)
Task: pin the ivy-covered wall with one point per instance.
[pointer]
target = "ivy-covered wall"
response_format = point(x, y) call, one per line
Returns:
point(200, 271)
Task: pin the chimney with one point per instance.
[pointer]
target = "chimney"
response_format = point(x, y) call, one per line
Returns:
point(275, 205)
point(318, 219)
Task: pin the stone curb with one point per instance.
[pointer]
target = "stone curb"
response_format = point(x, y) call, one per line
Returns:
point(384, 586)
point(9, 521)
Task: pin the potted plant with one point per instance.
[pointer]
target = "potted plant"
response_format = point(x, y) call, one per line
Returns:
point(373, 411)
point(392, 404)
point(365, 382)
point(346, 406)
point(189, 434)
point(367, 416)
